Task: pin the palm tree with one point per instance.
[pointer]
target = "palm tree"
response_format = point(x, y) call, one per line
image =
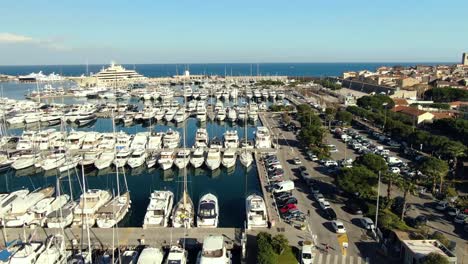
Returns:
point(408, 186)
point(391, 178)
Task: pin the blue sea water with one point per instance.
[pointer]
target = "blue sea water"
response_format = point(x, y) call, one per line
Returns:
point(236, 69)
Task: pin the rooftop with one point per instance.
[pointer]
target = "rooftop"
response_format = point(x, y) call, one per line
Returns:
point(424, 247)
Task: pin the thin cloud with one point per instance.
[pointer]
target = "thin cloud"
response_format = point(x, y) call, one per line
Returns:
point(10, 38)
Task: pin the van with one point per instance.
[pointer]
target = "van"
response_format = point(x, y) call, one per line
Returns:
point(284, 186)
point(393, 160)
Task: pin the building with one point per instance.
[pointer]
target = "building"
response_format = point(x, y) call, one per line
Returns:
point(414, 251)
point(418, 115)
point(465, 59)
point(407, 94)
point(407, 82)
point(350, 74)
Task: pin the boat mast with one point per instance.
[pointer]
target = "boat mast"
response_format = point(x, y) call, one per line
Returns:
point(185, 168)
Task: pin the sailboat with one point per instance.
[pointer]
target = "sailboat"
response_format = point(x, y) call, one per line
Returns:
point(55, 251)
point(184, 211)
point(246, 157)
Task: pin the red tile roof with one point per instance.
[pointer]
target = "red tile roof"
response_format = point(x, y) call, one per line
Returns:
point(408, 110)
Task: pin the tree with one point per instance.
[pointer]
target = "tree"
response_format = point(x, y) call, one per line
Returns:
point(357, 179)
point(344, 116)
point(436, 169)
point(330, 115)
point(408, 186)
point(279, 243)
point(378, 101)
point(435, 258)
point(286, 118)
point(373, 162)
point(266, 254)
point(391, 179)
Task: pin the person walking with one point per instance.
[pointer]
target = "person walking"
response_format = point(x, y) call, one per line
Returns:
point(308, 213)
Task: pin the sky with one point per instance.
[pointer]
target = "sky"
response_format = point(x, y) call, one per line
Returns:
point(255, 31)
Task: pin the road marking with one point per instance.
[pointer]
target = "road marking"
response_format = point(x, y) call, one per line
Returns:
point(327, 261)
point(342, 238)
point(350, 259)
point(359, 260)
point(320, 258)
point(343, 260)
point(336, 259)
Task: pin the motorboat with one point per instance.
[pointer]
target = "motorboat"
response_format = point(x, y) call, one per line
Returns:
point(61, 217)
point(113, 211)
point(216, 143)
point(166, 160)
point(151, 160)
point(151, 255)
point(75, 140)
point(137, 158)
point(171, 139)
point(139, 141)
point(53, 161)
point(213, 158)
point(8, 201)
point(169, 116)
point(89, 157)
point(24, 144)
point(128, 257)
point(182, 158)
point(177, 255)
point(155, 141)
point(232, 115)
point(122, 141)
point(198, 158)
point(38, 213)
point(253, 116)
point(231, 139)
point(242, 114)
point(70, 163)
point(25, 161)
point(159, 115)
point(201, 113)
point(221, 114)
point(257, 216)
point(121, 157)
point(90, 202)
point(214, 251)
point(159, 209)
point(262, 138)
point(27, 253)
point(180, 115)
point(105, 159)
point(208, 211)
point(229, 158)
point(91, 140)
point(108, 141)
point(201, 138)
point(246, 158)
point(55, 251)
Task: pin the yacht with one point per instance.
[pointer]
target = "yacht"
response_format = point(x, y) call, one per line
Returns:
point(90, 202)
point(213, 158)
point(246, 158)
point(53, 161)
point(256, 212)
point(116, 75)
point(182, 158)
point(171, 139)
point(201, 114)
point(70, 163)
point(62, 217)
point(197, 158)
point(113, 211)
point(27, 253)
point(155, 141)
point(253, 116)
point(159, 115)
point(25, 161)
point(105, 159)
point(108, 141)
point(19, 214)
point(89, 157)
point(216, 143)
point(214, 251)
point(55, 251)
point(231, 139)
point(139, 141)
point(180, 115)
point(232, 115)
point(177, 255)
point(166, 160)
point(221, 114)
point(75, 140)
point(170, 114)
point(218, 94)
point(137, 158)
point(24, 144)
point(10, 199)
point(151, 160)
point(122, 141)
point(262, 138)
point(121, 157)
point(159, 209)
point(242, 114)
point(229, 158)
point(91, 140)
point(208, 211)
point(201, 138)
point(39, 212)
point(151, 255)
point(184, 212)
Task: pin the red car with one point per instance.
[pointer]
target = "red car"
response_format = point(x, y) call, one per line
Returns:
point(288, 208)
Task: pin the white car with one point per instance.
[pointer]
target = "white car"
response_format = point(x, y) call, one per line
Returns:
point(319, 197)
point(306, 253)
point(324, 205)
point(330, 163)
point(395, 170)
point(338, 227)
point(297, 161)
point(367, 223)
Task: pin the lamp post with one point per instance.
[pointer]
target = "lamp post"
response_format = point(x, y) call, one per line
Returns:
point(377, 206)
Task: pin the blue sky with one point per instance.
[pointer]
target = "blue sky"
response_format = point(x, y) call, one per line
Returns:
point(73, 32)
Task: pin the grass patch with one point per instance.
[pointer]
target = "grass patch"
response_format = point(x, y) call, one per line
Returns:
point(287, 257)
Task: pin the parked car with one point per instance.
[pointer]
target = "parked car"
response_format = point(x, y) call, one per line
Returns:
point(289, 200)
point(329, 214)
point(319, 197)
point(330, 163)
point(442, 206)
point(306, 252)
point(395, 170)
point(367, 223)
point(461, 218)
point(287, 208)
point(353, 208)
point(338, 226)
point(314, 189)
point(452, 211)
point(324, 205)
point(305, 174)
point(297, 161)
point(274, 167)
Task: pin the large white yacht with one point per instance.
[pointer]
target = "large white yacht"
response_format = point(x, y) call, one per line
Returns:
point(25, 161)
point(166, 159)
point(43, 208)
point(116, 75)
point(62, 217)
point(91, 140)
point(105, 159)
point(171, 139)
point(229, 158)
point(90, 202)
point(214, 251)
point(139, 141)
point(201, 138)
point(177, 255)
point(213, 158)
point(262, 138)
point(256, 212)
point(113, 211)
point(155, 141)
point(122, 157)
point(198, 158)
point(159, 209)
point(137, 158)
point(182, 158)
point(208, 211)
point(231, 139)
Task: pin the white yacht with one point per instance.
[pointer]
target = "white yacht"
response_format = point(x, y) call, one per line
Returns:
point(151, 160)
point(159, 115)
point(89, 157)
point(75, 140)
point(201, 138)
point(166, 159)
point(229, 158)
point(122, 157)
point(253, 116)
point(53, 161)
point(213, 158)
point(90, 202)
point(232, 115)
point(108, 141)
point(116, 75)
point(182, 158)
point(231, 139)
point(105, 159)
point(159, 209)
point(122, 140)
point(177, 255)
point(171, 139)
point(91, 140)
point(55, 251)
point(139, 141)
point(70, 163)
point(170, 114)
point(27, 253)
point(180, 115)
point(246, 158)
point(155, 141)
point(19, 215)
point(62, 217)
point(137, 158)
point(198, 158)
point(201, 113)
point(25, 161)
point(256, 212)
point(25, 144)
point(151, 255)
point(44, 207)
point(221, 114)
point(10, 199)
point(262, 138)
point(214, 251)
point(113, 211)
point(208, 211)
